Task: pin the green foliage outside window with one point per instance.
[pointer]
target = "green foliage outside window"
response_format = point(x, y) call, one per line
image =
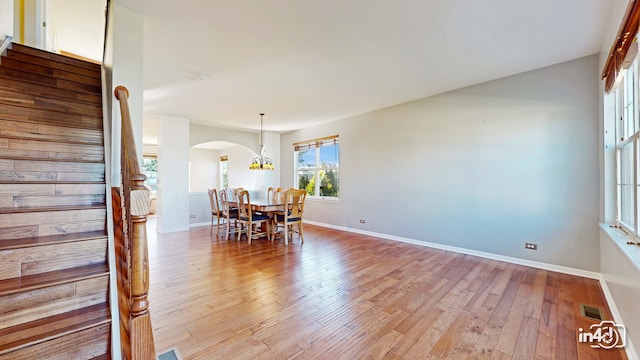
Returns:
point(150, 169)
point(319, 165)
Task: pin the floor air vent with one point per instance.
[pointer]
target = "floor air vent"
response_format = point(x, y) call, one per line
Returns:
point(591, 312)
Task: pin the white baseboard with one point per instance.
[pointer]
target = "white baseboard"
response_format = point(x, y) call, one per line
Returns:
point(200, 224)
point(509, 259)
point(617, 317)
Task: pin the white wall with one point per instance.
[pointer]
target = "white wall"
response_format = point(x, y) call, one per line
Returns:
point(487, 168)
point(238, 167)
point(78, 26)
point(204, 174)
point(6, 18)
point(204, 169)
point(173, 174)
point(123, 64)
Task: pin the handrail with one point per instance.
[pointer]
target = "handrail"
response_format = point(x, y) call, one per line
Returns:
point(5, 43)
point(131, 245)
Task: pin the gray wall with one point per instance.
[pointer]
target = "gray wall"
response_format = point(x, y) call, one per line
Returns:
point(487, 168)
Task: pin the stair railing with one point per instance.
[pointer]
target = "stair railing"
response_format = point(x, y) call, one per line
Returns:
point(131, 206)
point(5, 41)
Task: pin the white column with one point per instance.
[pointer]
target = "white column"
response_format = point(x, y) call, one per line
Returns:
point(173, 174)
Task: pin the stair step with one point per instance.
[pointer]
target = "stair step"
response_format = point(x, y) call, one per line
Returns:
point(38, 281)
point(16, 55)
point(51, 240)
point(49, 91)
point(53, 57)
point(82, 333)
point(12, 148)
point(16, 64)
point(21, 196)
point(23, 203)
point(29, 170)
point(11, 96)
point(20, 308)
point(16, 225)
point(49, 80)
point(32, 131)
point(50, 117)
point(27, 259)
point(103, 357)
point(37, 209)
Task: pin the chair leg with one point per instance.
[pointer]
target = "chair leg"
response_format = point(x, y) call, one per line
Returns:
point(211, 230)
point(286, 234)
point(300, 232)
point(217, 226)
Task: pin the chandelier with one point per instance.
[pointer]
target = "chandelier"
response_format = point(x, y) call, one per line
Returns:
point(261, 162)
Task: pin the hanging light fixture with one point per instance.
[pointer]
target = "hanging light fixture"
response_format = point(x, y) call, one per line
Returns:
point(261, 162)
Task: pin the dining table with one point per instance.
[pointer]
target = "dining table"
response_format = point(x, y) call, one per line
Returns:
point(264, 206)
point(261, 205)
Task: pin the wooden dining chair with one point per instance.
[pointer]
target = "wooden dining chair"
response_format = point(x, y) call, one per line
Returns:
point(275, 195)
point(249, 218)
point(292, 214)
point(215, 210)
point(228, 213)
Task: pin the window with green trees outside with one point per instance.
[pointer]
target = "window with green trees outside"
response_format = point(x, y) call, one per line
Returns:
point(317, 167)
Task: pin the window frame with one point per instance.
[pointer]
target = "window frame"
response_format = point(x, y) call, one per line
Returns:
point(224, 171)
point(317, 145)
point(154, 158)
point(627, 170)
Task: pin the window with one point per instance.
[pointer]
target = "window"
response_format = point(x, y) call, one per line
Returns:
point(627, 142)
point(224, 172)
point(150, 168)
point(317, 165)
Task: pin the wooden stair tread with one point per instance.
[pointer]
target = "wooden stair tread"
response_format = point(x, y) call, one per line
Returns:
point(37, 281)
point(38, 331)
point(15, 97)
point(53, 182)
point(66, 74)
point(103, 357)
point(53, 160)
point(33, 94)
point(42, 139)
point(50, 208)
point(50, 91)
point(51, 239)
point(49, 80)
point(17, 55)
point(53, 57)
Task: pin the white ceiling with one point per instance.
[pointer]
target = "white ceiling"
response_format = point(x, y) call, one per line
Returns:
point(221, 62)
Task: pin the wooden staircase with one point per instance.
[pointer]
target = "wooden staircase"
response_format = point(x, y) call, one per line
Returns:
point(54, 278)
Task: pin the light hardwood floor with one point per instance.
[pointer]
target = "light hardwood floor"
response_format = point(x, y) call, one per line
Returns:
point(347, 296)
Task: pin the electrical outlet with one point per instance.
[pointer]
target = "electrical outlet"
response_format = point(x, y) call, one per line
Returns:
point(192, 216)
point(531, 246)
point(362, 221)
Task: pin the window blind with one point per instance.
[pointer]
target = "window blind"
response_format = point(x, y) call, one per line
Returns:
point(625, 46)
point(316, 143)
